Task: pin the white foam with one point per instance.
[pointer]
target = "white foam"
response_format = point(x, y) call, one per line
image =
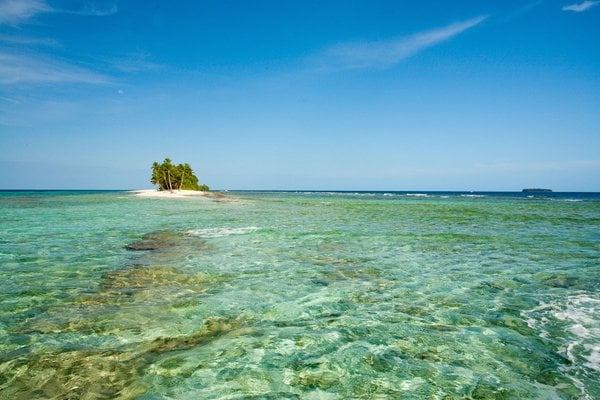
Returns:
point(579, 330)
point(219, 232)
point(568, 200)
point(593, 359)
point(579, 338)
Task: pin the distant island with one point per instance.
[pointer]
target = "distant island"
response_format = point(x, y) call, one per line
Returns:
point(169, 177)
point(537, 190)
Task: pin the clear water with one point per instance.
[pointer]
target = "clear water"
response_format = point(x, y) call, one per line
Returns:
point(299, 296)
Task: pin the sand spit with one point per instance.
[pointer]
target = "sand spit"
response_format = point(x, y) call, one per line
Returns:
point(182, 194)
point(153, 193)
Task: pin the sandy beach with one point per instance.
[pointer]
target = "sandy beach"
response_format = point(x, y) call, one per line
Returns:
point(175, 194)
point(218, 197)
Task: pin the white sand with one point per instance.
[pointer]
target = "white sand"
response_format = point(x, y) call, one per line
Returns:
point(175, 194)
point(218, 197)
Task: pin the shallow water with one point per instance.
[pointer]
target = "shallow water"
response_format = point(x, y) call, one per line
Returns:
point(300, 296)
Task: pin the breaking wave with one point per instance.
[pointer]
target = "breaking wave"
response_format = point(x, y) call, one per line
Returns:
point(219, 232)
point(573, 323)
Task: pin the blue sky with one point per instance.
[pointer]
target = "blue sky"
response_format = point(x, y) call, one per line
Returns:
point(356, 95)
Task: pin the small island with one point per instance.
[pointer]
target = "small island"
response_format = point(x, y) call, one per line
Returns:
point(536, 190)
point(175, 181)
point(171, 177)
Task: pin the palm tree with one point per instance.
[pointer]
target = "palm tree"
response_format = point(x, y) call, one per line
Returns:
point(168, 176)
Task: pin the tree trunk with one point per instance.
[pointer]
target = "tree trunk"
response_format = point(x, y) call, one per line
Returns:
point(169, 177)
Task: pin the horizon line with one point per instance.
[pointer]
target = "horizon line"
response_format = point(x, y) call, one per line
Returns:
point(312, 190)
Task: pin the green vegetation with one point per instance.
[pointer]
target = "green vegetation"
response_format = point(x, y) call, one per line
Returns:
point(169, 176)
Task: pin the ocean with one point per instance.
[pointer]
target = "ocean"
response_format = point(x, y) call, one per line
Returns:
point(300, 295)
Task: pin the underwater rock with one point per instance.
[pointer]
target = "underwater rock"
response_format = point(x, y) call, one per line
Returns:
point(213, 328)
point(166, 248)
point(485, 390)
point(88, 374)
point(155, 241)
point(442, 327)
point(320, 379)
point(95, 373)
point(143, 245)
point(491, 286)
point(506, 320)
point(158, 289)
point(562, 281)
point(164, 240)
point(412, 310)
point(141, 276)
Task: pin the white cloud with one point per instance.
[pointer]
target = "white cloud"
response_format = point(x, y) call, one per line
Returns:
point(27, 41)
point(135, 62)
point(13, 12)
point(10, 100)
point(580, 7)
point(17, 67)
point(384, 54)
point(550, 166)
point(33, 69)
point(90, 9)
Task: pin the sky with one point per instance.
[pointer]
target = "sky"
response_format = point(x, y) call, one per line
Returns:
point(301, 95)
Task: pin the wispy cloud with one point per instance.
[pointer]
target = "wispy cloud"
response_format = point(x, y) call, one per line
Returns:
point(91, 9)
point(27, 41)
point(135, 62)
point(34, 69)
point(522, 167)
point(18, 66)
point(384, 54)
point(586, 5)
point(14, 12)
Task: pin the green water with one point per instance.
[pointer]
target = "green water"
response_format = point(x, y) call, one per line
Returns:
point(299, 296)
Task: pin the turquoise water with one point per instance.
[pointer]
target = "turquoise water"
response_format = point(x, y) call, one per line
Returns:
point(299, 296)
